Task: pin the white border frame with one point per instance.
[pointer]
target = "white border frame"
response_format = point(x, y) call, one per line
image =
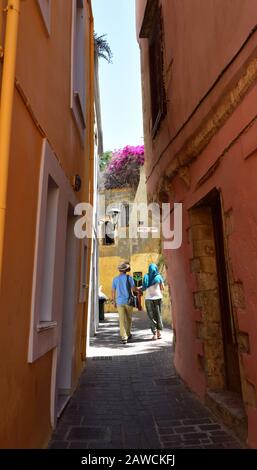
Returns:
point(44, 338)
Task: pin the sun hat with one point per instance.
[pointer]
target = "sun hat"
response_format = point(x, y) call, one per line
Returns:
point(124, 267)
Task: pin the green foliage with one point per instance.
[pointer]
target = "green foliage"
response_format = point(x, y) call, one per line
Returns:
point(104, 160)
point(102, 48)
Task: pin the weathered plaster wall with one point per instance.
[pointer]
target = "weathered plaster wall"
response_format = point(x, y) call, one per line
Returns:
point(208, 140)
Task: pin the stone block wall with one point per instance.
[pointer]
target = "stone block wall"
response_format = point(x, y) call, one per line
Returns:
point(206, 297)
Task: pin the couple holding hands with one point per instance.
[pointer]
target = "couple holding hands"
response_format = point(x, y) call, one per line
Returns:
point(152, 286)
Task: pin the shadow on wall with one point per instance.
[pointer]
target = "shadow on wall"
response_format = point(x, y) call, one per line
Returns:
point(167, 308)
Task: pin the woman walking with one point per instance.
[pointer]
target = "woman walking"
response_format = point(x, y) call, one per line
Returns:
point(153, 287)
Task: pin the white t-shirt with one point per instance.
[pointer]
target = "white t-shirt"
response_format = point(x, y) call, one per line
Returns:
point(153, 292)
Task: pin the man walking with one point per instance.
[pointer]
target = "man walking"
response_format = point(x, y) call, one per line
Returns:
point(120, 297)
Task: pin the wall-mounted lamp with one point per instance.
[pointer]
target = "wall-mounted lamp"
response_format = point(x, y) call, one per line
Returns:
point(76, 183)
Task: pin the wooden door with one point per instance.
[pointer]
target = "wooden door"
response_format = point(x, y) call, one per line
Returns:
point(226, 311)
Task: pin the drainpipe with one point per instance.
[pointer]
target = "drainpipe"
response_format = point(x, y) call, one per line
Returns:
point(6, 107)
point(1, 28)
point(91, 181)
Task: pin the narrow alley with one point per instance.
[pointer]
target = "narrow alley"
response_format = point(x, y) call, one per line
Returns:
point(130, 397)
point(128, 228)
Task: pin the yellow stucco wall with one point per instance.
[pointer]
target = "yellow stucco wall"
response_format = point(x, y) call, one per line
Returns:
point(139, 262)
point(108, 267)
point(140, 252)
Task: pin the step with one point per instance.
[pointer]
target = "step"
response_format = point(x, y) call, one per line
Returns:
point(228, 406)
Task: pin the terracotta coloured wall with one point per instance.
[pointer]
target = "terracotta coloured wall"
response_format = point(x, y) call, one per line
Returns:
point(190, 35)
point(208, 140)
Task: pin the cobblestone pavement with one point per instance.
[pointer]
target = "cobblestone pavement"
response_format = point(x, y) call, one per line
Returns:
point(129, 397)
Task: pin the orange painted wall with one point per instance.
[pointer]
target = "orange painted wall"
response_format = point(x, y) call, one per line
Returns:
point(43, 77)
point(203, 61)
point(23, 386)
point(43, 70)
point(193, 60)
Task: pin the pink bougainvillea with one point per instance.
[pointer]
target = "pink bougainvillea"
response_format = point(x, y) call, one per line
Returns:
point(128, 154)
point(124, 167)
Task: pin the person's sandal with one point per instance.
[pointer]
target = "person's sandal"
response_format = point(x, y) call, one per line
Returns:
point(159, 336)
point(154, 337)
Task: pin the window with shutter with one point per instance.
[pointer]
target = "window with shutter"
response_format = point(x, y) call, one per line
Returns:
point(109, 234)
point(153, 31)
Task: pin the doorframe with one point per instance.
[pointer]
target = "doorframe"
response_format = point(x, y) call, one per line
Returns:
point(56, 352)
point(204, 221)
point(70, 316)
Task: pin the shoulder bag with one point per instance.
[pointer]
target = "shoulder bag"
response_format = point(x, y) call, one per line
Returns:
point(132, 301)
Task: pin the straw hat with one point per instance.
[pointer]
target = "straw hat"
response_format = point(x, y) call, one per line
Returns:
point(124, 267)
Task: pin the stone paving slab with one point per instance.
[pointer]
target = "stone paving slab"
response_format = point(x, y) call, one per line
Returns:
point(130, 397)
